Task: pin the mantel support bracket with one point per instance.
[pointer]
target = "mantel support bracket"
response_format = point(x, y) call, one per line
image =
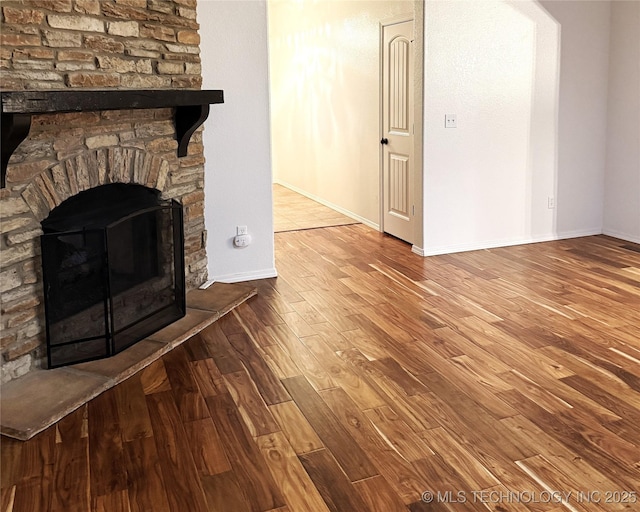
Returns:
point(15, 129)
point(187, 120)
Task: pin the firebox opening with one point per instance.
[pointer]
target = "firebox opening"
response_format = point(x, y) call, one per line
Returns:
point(113, 270)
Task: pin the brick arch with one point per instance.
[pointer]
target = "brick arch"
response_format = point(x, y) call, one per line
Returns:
point(90, 169)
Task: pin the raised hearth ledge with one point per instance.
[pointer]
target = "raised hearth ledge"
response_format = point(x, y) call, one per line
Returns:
point(37, 400)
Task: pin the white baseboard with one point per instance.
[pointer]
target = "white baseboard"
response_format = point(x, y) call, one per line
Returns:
point(492, 244)
point(564, 235)
point(335, 207)
point(622, 236)
point(246, 276)
point(417, 250)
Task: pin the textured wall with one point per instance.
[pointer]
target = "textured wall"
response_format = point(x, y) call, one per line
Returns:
point(582, 114)
point(61, 44)
point(487, 182)
point(237, 139)
point(622, 176)
point(325, 99)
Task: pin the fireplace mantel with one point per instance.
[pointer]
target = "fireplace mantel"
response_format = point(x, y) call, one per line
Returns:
point(191, 110)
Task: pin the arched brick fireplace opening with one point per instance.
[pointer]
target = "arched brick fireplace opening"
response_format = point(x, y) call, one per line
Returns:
point(113, 271)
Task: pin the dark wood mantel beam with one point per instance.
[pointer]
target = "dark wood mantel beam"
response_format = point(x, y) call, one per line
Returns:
point(191, 110)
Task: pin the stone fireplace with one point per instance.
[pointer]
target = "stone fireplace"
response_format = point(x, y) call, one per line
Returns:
point(89, 44)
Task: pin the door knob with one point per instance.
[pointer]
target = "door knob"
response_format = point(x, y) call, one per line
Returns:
point(384, 141)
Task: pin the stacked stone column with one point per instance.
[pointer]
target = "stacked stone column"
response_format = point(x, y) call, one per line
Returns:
point(106, 44)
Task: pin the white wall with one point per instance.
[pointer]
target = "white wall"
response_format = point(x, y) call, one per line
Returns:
point(583, 114)
point(236, 138)
point(325, 98)
point(622, 177)
point(487, 182)
point(483, 184)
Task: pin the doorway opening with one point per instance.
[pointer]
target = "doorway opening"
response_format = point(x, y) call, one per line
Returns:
point(325, 102)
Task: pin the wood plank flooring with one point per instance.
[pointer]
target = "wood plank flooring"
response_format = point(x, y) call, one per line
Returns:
point(366, 378)
point(293, 212)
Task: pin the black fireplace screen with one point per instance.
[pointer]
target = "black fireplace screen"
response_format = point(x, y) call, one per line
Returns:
point(113, 271)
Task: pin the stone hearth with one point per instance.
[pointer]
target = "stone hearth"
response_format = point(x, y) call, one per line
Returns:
point(40, 398)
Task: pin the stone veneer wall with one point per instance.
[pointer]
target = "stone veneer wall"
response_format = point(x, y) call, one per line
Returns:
point(58, 44)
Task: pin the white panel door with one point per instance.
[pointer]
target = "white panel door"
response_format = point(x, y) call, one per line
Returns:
point(397, 130)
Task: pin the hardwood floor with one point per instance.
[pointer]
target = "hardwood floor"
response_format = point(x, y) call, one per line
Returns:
point(368, 378)
point(293, 212)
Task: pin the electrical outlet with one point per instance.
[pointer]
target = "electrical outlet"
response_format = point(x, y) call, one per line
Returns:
point(242, 240)
point(551, 202)
point(450, 121)
point(242, 230)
